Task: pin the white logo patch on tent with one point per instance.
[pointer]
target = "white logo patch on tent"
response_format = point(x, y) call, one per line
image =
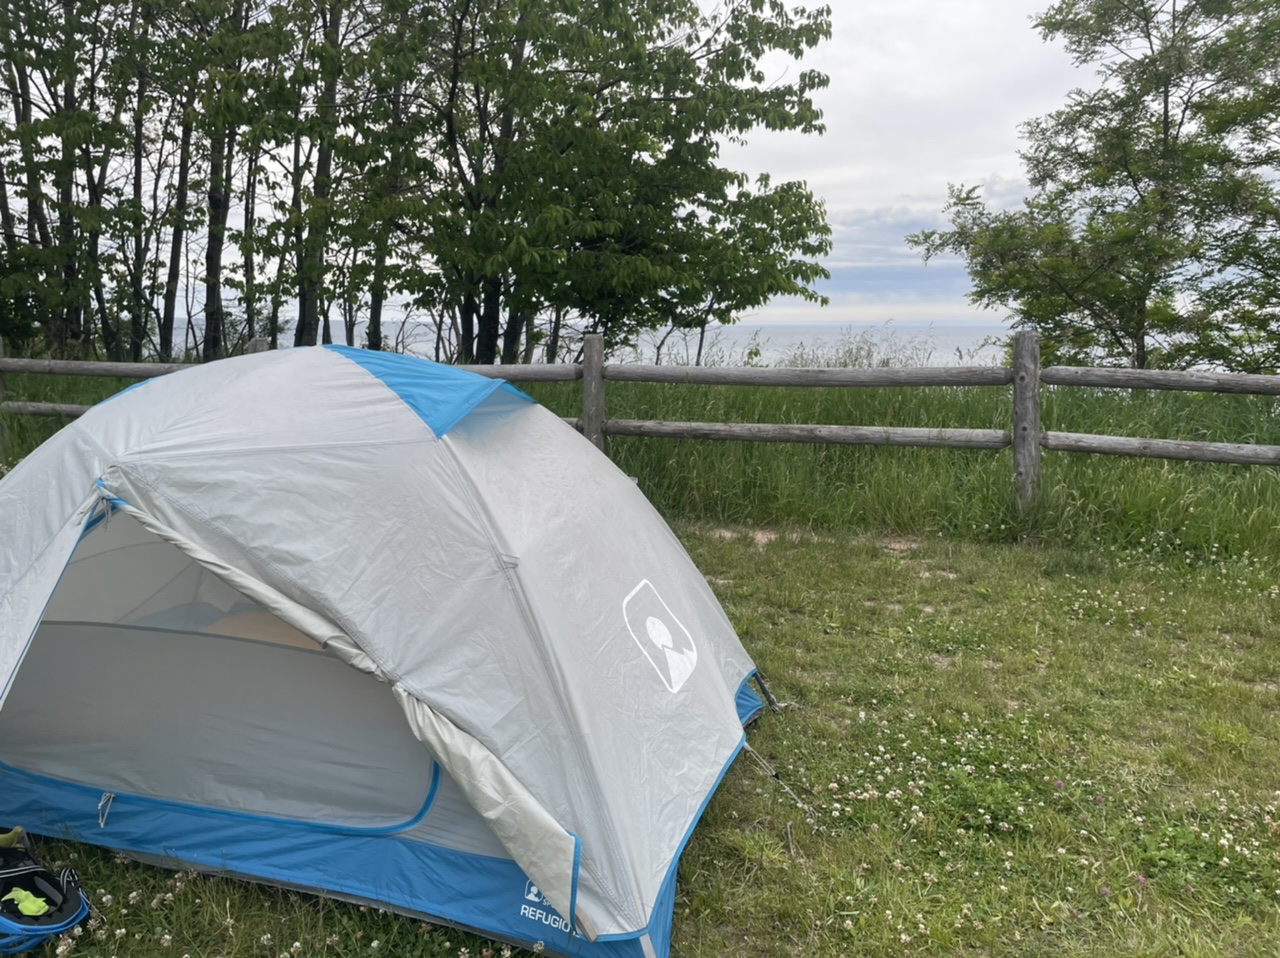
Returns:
point(663, 639)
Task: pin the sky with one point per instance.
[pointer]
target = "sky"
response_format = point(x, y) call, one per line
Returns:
point(923, 93)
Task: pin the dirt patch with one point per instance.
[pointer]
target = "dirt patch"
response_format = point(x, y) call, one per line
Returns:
point(761, 537)
point(809, 537)
point(899, 545)
point(942, 661)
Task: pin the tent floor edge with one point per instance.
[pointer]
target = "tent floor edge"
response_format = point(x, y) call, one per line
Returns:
point(490, 897)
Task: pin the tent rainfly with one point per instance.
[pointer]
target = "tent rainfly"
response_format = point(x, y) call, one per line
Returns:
point(367, 626)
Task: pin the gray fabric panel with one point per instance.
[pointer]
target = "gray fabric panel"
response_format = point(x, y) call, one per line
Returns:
point(213, 721)
point(453, 823)
point(644, 657)
point(122, 573)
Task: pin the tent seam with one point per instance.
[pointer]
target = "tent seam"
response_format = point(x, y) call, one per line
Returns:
point(282, 447)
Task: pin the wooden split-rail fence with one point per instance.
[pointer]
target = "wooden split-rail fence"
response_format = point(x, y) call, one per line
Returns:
point(1025, 376)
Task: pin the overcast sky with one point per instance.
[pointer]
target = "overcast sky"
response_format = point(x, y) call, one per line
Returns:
point(923, 93)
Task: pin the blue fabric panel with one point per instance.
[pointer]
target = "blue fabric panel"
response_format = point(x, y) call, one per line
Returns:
point(490, 895)
point(440, 395)
point(747, 701)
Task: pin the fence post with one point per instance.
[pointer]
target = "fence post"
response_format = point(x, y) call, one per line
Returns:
point(1026, 416)
point(593, 388)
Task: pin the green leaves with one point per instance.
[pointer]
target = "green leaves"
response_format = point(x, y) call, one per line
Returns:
point(483, 161)
point(578, 161)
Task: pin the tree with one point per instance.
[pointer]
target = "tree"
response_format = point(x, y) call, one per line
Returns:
point(578, 158)
point(501, 167)
point(1135, 242)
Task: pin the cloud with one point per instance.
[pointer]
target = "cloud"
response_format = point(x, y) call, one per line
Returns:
point(923, 93)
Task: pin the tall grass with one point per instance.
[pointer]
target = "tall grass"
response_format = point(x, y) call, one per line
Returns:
point(960, 493)
point(22, 434)
point(967, 494)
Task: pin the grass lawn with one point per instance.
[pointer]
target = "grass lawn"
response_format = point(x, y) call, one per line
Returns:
point(990, 749)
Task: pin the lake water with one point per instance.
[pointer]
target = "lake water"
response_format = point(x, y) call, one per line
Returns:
point(815, 344)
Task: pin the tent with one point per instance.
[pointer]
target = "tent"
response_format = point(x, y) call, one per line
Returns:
point(368, 626)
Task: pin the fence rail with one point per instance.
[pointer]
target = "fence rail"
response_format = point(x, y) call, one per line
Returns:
point(1025, 376)
point(1237, 383)
point(833, 435)
point(1240, 453)
point(749, 376)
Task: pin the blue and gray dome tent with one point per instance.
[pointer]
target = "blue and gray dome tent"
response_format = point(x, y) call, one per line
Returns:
point(368, 626)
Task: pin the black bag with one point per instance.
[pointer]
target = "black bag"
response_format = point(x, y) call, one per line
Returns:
point(22, 876)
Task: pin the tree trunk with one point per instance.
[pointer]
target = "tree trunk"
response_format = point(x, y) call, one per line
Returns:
point(378, 293)
point(313, 260)
point(179, 231)
point(36, 215)
point(490, 321)
point(350, 302)
point(553, 341)
point(295, 208)
point(7, 224)
point(527, 356)
point(137, 304)
point(467, 340)
point(516, 322)
point(220, 144)
point(247, 250)
point(69, 330)
point(273, 327)
point(111, 332)
point(662, 344)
